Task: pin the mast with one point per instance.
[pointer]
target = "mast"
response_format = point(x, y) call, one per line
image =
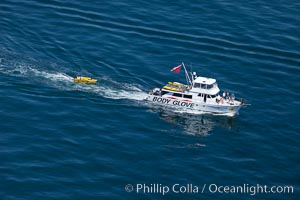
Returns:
point(187, 77)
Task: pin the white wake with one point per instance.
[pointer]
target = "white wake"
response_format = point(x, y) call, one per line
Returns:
point(63, 81)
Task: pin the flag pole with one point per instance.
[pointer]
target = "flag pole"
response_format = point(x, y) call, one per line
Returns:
point(188, 80)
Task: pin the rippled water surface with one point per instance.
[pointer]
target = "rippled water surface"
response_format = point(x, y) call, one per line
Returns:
point(61, 140)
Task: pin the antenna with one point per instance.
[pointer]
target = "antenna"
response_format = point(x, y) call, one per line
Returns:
point(188, 80)
point(191, 72)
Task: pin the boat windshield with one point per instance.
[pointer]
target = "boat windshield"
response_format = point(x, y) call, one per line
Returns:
point(210, 86)
point(205, 86)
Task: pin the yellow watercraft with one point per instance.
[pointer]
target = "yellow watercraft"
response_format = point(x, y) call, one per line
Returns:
point(174, 86)
point(86, 80)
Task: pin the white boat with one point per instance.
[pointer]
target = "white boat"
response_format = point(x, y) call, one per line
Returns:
point(200, 93)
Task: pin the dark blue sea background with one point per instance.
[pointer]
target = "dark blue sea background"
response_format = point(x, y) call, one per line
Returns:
point(61, 140)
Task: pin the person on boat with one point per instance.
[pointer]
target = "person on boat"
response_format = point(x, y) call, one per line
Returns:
point(232, 97)
point(228, 99)
point(218, 98)
point(156, 92)
point(222, 100)
point(242, 101)
point(194, 75)
point(224, 94)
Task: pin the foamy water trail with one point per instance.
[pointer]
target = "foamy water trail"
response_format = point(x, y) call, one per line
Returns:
point(63, 81)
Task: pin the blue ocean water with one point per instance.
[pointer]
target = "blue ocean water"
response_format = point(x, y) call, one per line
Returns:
point(61, 140)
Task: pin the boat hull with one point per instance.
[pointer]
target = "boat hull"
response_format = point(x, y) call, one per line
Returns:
point(195, 105)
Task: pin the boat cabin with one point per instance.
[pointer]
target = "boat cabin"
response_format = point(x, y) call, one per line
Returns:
point(202, 88)
point(204, 85)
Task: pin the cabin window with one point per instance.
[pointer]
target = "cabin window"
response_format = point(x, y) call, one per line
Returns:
point(187, 96)
point(197, 85)
point(210, 86)
point(203, 86)
point(177, 95)
point(200, 95)
point(211, 96)
point(165, 92)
